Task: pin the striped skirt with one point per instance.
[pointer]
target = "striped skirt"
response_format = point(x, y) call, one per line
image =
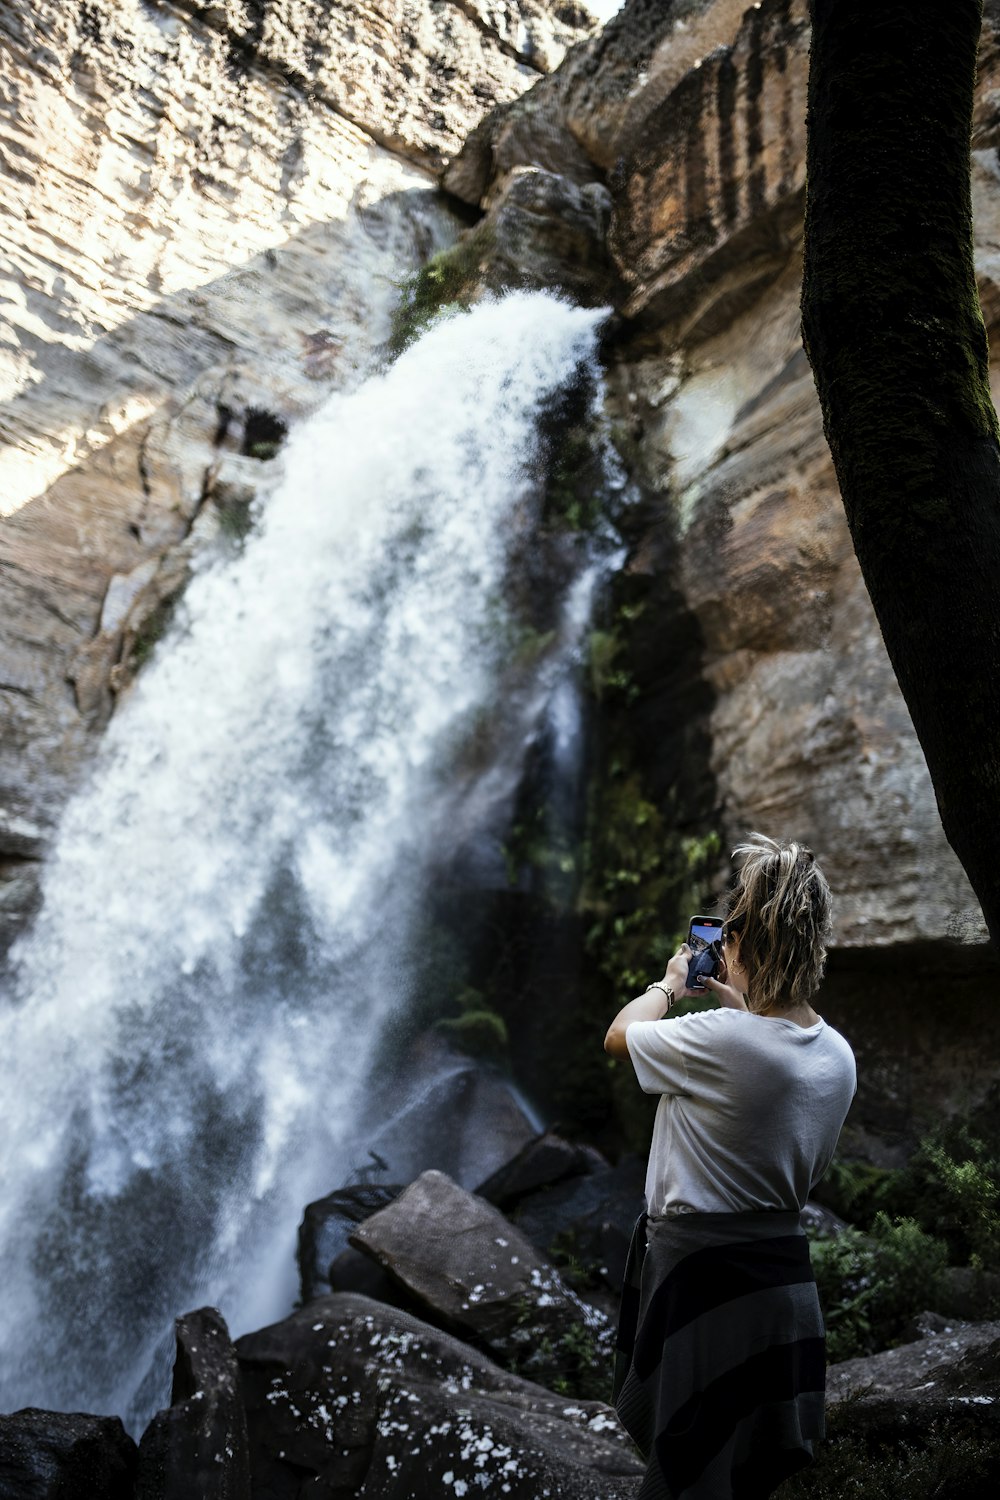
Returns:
point(720, 1370)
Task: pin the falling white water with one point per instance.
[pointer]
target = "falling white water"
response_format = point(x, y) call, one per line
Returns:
point(229, 909)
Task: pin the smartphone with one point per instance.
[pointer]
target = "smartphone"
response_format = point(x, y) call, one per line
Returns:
point(705, 942)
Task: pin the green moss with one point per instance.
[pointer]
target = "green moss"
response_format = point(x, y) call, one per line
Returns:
point(643, 876)
point(573, 459)
point(236, 519)
point(537, 854)
point(651, 853)
point(480, 1033)
point(152, 630)
point(478, 1030)
point(448, 280)
point(264, 451)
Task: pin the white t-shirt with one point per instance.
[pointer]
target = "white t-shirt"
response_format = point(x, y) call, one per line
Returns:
point(751, 1110)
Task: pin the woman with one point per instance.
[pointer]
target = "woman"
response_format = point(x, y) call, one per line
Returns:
point(721, 1367)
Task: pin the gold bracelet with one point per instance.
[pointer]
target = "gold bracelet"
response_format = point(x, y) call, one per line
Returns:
point(656, 985)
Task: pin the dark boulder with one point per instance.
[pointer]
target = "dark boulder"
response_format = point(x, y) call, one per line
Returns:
point(544, 1161)
point(350, 1271)
point(326, 1226)
point(587, 1220)
point(55, 1455)
point(472, 1272)
point(952, 1375)
point(458, 1115)
point(198, 1446)
point(348, 1393)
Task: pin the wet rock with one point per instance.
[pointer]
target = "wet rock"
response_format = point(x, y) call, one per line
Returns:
point(544, 231)
point(915, 1369)
point(325, 1228)
point(348, 1393)
point(476, 1274)
point(821, 1222)
point(544, 1161)
point(350, 1271)
point(198, 1446)
point(50, 1455)
point(588, 1220)
point(965, 1292)
point(449, 1113)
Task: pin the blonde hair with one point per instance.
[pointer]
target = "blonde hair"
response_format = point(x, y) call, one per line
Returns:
point(780, 911)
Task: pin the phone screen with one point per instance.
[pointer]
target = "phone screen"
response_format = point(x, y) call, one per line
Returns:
point(702, 934)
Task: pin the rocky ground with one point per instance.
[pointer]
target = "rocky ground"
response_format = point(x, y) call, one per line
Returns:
point(446, 1353)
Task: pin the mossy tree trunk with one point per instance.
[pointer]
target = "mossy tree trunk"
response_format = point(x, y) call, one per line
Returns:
point(895, 335)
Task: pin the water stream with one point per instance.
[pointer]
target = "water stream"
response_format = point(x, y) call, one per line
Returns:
point(230, 907)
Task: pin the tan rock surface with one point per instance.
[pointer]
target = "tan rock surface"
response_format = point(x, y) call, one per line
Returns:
point(197, 199)
point(206, 212)
point(695, 116)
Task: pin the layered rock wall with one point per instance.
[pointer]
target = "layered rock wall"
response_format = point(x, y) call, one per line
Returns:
point(199, 194)
point(692, 115)
point(206, 212)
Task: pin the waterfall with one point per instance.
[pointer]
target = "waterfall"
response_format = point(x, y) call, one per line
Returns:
point(230, 906)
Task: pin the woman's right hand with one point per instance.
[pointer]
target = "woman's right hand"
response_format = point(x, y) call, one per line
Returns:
point(723, 992)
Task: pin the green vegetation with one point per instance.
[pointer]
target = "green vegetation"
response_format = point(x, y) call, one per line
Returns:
point(448, 281)
point(871, 1285)
point(643, 876)
point(573, 1362)
point(937, 1459)
point(942, 1209)
point(950, 1187)
point(265, 450)
point(953, 1182)
point(152, 630)
point(477, 1030)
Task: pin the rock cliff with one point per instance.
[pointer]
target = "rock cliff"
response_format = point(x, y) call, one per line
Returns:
point(691, 117)
point(206, 212)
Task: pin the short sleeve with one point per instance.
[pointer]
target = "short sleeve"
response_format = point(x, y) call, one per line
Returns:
point(657, 1054)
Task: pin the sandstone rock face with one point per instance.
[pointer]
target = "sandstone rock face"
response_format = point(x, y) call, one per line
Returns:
point(206, 212)
point(353, 1397)
point(694, 116)
point(199, 194)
